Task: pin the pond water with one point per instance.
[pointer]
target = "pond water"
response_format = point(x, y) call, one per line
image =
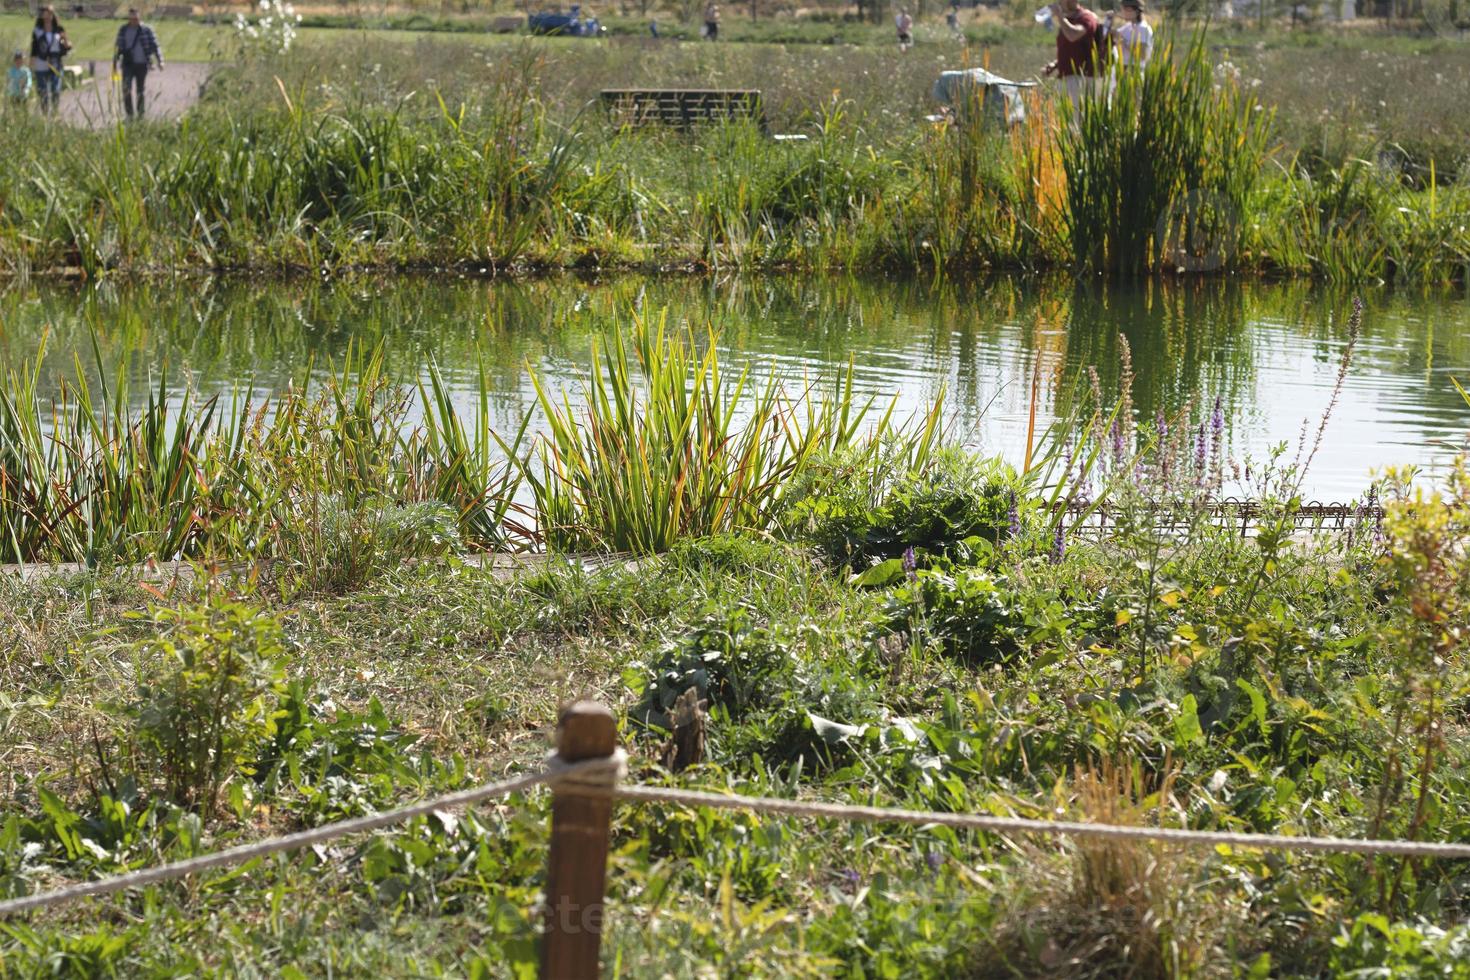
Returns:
point(1269, 352)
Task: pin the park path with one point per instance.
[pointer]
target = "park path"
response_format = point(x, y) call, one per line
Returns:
point(97, 102)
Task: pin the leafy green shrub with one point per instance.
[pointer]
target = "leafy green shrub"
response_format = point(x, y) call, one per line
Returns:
point(766, 692)
point(1372, 946)
point(733, 662)
point(209, 686)
point(340, 763)
point(858, 510)
point(981, 618)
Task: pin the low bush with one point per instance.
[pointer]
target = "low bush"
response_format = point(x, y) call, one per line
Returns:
point(209, 687)
point(859, 513)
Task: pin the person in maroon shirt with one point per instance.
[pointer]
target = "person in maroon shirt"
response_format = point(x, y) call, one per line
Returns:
point(1077, 44)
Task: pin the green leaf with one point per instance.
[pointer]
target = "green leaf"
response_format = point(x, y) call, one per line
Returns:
point(1187, 730)
point(1258, 702)
point(881, 574)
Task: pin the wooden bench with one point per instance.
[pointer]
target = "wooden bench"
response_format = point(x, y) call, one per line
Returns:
point(683, 107)
point(507, 25)
point(172, 12)
point(94, 11)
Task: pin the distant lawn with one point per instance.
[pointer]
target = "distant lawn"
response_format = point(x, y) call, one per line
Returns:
point(182, 40)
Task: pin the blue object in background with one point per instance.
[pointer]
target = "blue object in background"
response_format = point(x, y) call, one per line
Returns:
point(571, 24)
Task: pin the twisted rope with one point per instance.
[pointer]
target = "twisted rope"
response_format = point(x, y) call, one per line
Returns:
point(601, 775)
point(304, 838)
point(1024, 825)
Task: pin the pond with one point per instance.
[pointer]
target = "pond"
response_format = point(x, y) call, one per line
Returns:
point(1269, 352)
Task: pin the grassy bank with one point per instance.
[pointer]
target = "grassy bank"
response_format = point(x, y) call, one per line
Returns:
point(497, 160)
point(981, 662)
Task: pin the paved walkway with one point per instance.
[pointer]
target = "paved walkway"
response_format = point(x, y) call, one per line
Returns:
point(97, 104)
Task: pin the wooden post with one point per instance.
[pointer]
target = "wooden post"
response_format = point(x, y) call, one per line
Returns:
point(576, 870)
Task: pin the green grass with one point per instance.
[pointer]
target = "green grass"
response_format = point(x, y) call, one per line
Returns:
point(989, 679)
point(93, 39)
point(348, 155)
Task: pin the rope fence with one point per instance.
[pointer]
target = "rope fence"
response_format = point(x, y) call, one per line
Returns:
point(584, 773)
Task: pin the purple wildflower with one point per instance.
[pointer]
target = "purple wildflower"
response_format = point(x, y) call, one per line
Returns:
point(850, 878)
point(1059, 543)
point(933, 859)
point(1013, 515)
point(1118, 450)
point(910, 563)
point(1217, 427)
point(1200, 447)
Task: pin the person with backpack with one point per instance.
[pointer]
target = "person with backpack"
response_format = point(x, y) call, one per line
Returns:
point(135, 49)
point(1080, 49)
point(49, 44)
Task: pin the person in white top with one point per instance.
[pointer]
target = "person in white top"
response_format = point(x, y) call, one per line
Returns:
point(905, 25)
point(1134, 39)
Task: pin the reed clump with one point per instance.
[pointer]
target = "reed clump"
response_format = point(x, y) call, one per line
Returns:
point(667, 444)
point(1161, 166)
point(89, 475)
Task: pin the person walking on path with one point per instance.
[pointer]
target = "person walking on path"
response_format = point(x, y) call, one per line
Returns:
point(18, 82)
point(712, 22)
point(136, 48)
point(49, 45)
point(1077, 49)
point(952, 21)
point(905, 25)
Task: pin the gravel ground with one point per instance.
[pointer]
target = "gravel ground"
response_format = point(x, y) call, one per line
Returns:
point(97, 104)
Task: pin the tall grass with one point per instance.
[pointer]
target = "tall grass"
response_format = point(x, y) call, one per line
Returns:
point(87, 476)
point(331, 479)
point(1160, 169)
point(666, 444)
point(1354, 224)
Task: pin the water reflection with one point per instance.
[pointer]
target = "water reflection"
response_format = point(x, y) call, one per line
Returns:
point(1268, 352)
